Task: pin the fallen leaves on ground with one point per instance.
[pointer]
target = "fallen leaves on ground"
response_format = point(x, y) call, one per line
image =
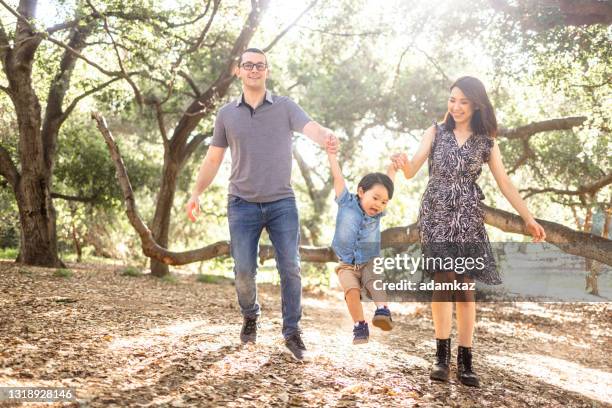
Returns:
point(140, 341)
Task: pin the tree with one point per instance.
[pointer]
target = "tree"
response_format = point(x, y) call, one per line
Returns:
point(122, 30)
point(202, 96)
point(31, 182)
point(570, 241)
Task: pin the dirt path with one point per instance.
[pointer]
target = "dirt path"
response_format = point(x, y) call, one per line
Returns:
point(139, 341)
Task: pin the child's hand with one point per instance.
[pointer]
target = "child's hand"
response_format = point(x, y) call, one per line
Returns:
point(391, 169)
point(331, 144)
point(400, 161)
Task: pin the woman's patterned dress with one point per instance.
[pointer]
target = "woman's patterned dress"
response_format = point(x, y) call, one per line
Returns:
point(451, 217)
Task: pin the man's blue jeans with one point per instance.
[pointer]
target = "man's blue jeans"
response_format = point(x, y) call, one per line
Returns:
point(246, 222)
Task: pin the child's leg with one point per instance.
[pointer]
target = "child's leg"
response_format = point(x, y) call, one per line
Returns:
point(379, 296)
point(382, 316)
point(353, 301)
point(349, 281)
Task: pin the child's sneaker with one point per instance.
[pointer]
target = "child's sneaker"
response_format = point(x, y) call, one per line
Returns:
point(382, 318)
point(361, 333)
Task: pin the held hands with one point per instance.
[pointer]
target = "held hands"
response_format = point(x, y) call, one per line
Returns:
point(400, 161)
point(331, 144)
point(536, 230)
point(193, 208)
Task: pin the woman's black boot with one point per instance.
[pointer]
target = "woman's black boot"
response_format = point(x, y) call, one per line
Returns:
point(464, 367)
point(441, 367)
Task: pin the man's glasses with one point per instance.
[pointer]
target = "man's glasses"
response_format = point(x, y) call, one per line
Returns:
point(249, 66)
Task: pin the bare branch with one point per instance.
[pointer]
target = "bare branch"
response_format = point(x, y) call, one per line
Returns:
point(62, 26)
point(26, 40)
point(209, 99)
point(4, 41)
point(398, 67)
point(337, 34)
point(305, 170)
point(198, 43)
point(159, 114)
point(7, 168)
point(191, 82)
point(542, 126)
point(15, 13)
point(544, 15)
point(434, 63)
point(289, 27)
point(137, 93)
point(527, 154)
point(568, 240)
point(590, 188)
point(85, 94)
point(81, 56)
point(193, 145)
point(75, 198)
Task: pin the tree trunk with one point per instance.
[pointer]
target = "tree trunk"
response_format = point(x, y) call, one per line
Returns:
point(160, 226)
point(77, 244)
point(37, 222)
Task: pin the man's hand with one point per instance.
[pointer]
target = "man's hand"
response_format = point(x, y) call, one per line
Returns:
point(193, 208)
point(331, 143)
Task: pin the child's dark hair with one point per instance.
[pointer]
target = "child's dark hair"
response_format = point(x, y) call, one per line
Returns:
point(370, 180)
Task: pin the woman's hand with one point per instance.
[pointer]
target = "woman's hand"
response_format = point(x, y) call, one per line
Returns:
point(536, 231)
point(400, 161)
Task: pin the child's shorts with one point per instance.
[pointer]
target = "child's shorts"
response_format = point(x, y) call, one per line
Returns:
point(361, 277)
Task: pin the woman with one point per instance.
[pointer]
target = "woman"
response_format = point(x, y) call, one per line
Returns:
point(451, 217)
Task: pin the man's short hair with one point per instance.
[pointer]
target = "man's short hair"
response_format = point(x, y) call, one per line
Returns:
point(255, 50)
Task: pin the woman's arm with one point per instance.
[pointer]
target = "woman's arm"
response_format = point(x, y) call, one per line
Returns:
point(412, 167)
point(512, 195)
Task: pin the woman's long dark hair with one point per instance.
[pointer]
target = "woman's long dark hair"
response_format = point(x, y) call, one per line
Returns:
point(483, 120)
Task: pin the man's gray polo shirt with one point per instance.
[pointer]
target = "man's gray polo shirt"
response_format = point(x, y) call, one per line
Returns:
point(260, 142)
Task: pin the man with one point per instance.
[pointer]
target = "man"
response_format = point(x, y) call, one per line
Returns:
point(258, 130)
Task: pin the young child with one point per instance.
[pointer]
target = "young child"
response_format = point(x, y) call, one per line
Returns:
point(357, 242)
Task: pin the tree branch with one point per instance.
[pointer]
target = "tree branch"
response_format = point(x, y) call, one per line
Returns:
point(76, 100)
point(435, 64)
point(527, 154)
point(4, 42)
point(87, 60)
point(337, 34)
point(201, 106)
point(590, 188)
point(305, 170)
point(137, 93)
point(289, 27)
point(8, 169)
point(63, 26)
point(74, 198)
point(193, 145)
point(159, 114)
point(191, 83)
point(544, 15)
point(531, 129)
point(198, 43)
point(54, 116)
point(568, 240)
